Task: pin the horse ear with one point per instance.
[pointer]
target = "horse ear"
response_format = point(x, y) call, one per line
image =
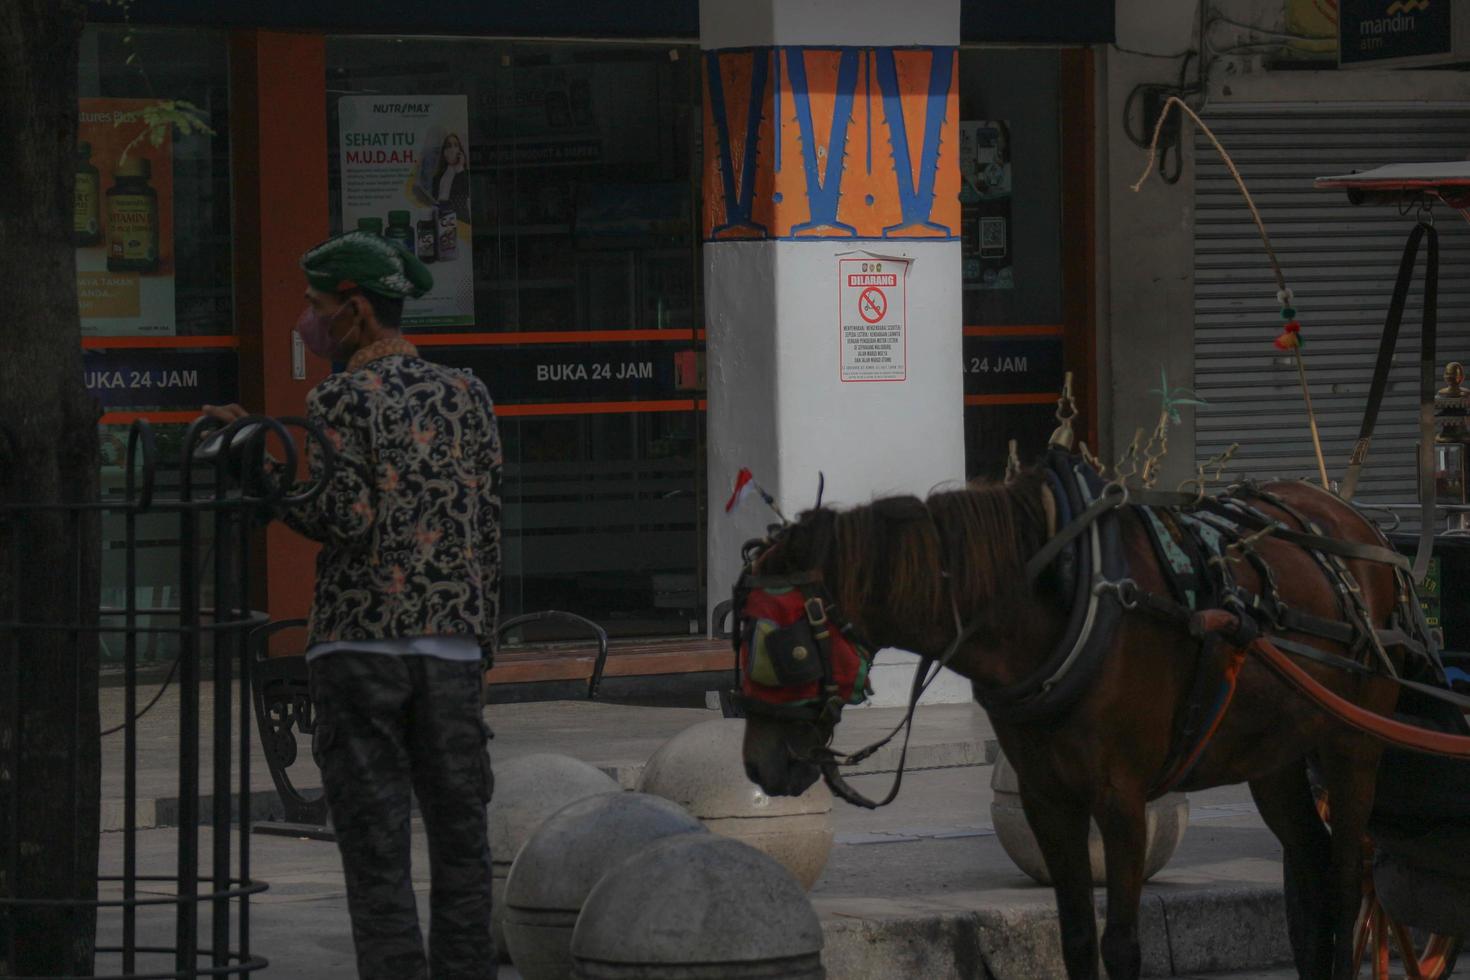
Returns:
point(821, 486)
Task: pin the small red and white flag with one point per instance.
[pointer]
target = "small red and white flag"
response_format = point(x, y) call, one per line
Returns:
point(744, 487)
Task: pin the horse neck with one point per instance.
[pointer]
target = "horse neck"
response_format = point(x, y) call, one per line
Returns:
point(989, 535)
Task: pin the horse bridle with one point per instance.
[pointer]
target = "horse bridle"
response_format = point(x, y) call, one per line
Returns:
point(821, 615)
point(822, 609)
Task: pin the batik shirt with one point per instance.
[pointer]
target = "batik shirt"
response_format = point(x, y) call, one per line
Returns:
point(410, 520)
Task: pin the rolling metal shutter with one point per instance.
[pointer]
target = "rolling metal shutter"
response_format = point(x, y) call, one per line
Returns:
point(1341, 262)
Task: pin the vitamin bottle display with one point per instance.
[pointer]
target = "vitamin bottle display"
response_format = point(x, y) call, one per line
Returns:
point(373, 226)
point(400, 230)
point(88, 214)
point(428, 238)
point(132, 218)
point(448, 231)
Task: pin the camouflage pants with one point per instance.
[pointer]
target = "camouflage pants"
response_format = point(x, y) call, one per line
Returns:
point(386, 725)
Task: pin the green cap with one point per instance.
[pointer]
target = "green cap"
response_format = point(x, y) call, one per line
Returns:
point(362, 260)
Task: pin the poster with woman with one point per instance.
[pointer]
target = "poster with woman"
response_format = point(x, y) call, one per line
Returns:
point(405, 176)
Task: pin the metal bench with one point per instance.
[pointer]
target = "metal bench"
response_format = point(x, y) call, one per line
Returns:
point(283, 709)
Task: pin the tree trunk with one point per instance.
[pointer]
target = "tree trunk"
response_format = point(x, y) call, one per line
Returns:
point(49, 561)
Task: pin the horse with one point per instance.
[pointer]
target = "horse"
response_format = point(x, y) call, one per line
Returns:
point(906, 573)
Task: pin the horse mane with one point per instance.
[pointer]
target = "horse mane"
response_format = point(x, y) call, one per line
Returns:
point(884, 560)
point(990, 530)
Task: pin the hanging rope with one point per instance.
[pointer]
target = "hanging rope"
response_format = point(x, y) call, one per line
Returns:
point(1283, 293)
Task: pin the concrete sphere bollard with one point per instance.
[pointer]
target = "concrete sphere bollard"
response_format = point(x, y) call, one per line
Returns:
point(697, 907)
point(702, 769)
point(528, 789)
point(1167, 818)
point(568, 854)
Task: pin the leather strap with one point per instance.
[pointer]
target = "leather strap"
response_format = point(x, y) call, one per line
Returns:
point(1246, 515)
point(1344, 549)
point(1387, 343)
point(1427, 345)
point(1388, 730)
point(1438, 694)
point(1065, 536)
point(1329, 629)
point(1324, 657)
point(1426, 405)
point(1213, 691)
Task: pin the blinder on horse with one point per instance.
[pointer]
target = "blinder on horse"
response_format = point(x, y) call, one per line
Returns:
point(797, 658)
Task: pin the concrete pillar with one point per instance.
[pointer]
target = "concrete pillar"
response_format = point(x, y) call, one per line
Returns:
point(1148, 242)
point(831, 167)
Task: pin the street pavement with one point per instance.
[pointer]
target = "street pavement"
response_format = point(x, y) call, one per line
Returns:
point(901, 883)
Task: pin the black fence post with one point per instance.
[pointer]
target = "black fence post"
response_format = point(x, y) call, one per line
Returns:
point(234, 498)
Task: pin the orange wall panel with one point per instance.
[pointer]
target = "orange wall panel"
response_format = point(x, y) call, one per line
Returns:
point(848, 143)
point(279, 138)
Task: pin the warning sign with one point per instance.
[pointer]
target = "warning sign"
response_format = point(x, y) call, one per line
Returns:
point(873, 319)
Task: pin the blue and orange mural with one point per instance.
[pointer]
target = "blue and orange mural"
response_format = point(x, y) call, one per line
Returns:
point(831, 143)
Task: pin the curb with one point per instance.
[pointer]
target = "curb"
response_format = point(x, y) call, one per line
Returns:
point(1184, 931)
point(266, 805)
point(163, 811)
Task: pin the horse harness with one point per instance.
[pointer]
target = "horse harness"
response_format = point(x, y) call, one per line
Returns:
point(1197, 539)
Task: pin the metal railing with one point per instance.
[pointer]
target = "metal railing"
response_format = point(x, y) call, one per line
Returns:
point(206, 890)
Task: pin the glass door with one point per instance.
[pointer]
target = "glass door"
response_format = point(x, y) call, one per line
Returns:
point(577, 221)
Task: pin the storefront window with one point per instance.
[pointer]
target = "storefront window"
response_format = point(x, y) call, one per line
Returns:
point(550, 187)
point(1010, 200)
point(153, 267)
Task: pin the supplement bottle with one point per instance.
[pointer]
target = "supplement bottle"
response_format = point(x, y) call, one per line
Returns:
point(88, 212)
point(132, 218)
point(428, 238)
point(448, 231)
point(400, 230)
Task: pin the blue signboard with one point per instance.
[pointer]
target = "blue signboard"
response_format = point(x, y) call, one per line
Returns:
point(1008, 365)
point(161, 379)
point(569, 373)
point(1378, 30)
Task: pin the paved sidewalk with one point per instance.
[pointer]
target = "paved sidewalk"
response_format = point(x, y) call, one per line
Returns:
point(939, 900)
point(918, 889)
point(617, 737)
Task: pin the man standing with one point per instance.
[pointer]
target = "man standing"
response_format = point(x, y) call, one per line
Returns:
point(407, 594)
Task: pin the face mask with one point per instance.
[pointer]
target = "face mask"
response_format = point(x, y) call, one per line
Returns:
point(316, 332)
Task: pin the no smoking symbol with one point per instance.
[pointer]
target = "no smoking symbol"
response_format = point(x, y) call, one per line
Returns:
point(872, 304)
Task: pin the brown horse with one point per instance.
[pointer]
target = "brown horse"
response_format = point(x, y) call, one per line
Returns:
point(900, 568)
